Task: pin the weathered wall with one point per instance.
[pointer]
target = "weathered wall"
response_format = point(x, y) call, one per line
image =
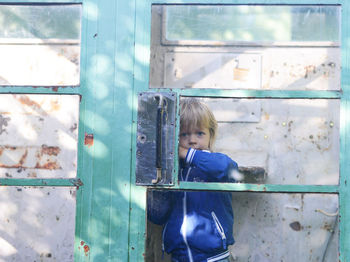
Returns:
point(37, 223)
point(38, 139)
point(295, 140)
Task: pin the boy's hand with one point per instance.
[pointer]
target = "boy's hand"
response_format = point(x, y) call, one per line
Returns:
point(182, 152)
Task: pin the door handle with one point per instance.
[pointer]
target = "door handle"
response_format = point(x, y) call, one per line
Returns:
point(161, 109)
point(155, 139)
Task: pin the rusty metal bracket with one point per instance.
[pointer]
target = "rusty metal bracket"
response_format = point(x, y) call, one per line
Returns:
point(77, 182)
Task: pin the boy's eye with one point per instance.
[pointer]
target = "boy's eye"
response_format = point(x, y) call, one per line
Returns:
point(200, 133)
point(183, 134)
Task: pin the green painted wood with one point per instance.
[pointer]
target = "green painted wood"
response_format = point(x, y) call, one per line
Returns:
point(253, 93)
point(258, 187)
point(106, 86)
point(344, 195)
point(41, 182)
point(137, 224)
point(141, 80)
point(85, 153)
point(43, 1)
point(71, 90)
point(260, 93)
point(270, 2)
point(122, 122)
point(198, 1)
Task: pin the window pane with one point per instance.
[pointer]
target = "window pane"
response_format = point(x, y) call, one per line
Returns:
point(252, 23)
point(293, 63)
point(37, 223)
point(40, 45)
point(38, 136)
point(276, 141)
point(40, 21)
point(267, 227)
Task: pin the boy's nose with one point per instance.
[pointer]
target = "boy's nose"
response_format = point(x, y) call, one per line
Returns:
point(193, 139)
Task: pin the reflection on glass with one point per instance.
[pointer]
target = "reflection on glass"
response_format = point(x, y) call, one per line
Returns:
point(277, 141)
point(40, 21)
point(267, 227)
point(253, 23)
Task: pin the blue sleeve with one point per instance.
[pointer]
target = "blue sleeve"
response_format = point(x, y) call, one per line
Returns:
point(217, 166)
point(159, 205)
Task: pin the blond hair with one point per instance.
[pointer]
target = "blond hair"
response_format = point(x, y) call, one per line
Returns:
point(196, 114)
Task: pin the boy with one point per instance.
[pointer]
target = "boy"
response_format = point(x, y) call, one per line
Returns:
point(198, 225)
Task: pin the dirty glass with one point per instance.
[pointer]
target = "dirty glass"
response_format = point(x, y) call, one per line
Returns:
point(216, 63)
point(40, 44)
point(37, 223)
point(38, 136)
point(252, 23)
point(267, 227)
point(40, 21)
point(275, 141)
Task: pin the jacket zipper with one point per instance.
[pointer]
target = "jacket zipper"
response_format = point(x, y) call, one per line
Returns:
point(163, 248)
point(184, 222)
point(220, 229)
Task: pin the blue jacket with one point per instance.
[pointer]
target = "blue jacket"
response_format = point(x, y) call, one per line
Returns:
point(198, 224)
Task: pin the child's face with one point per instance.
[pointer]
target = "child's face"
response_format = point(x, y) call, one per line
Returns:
point(197, 138)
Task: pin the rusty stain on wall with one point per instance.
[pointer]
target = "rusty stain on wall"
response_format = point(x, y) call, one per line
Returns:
point(25, 100)
point(17, 157)
point(46, 157)
point(55, 105)
point(241, 74)
point(89, 140)
point(86, 248)
point(50, 150)
point(38, 135)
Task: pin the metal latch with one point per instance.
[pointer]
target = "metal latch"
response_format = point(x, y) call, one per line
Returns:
point(155, 138)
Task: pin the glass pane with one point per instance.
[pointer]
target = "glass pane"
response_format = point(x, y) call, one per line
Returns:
point(40, 45)
point(223, 65)
point(37, 223)
point(252, 23)
point(273, 141)
point(40, 21)
point(266, 227)
point(39, 136)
